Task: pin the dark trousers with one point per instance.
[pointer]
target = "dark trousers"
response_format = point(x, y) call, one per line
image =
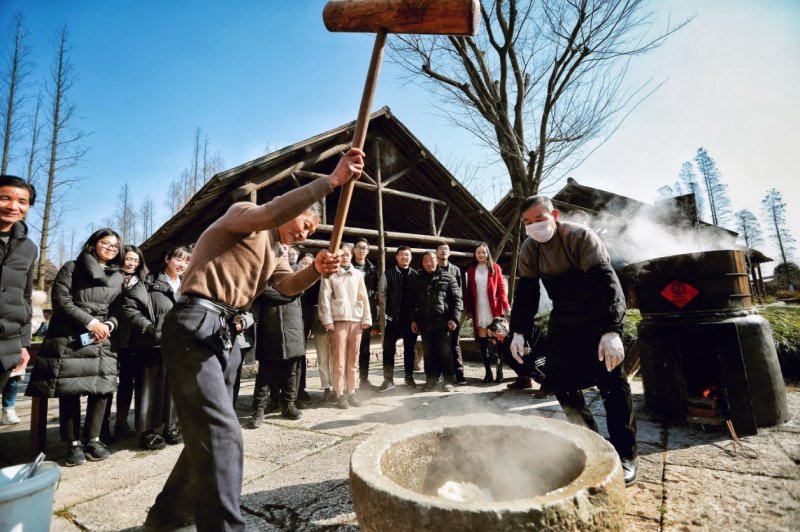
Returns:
point(206, 482)
point(364, 354)
point(455, 349)
point(436, 346)
point(392, 333)
point(278, 379)
point(129, 367)
point(69, 416)
point(616, 394)
point(155, 408)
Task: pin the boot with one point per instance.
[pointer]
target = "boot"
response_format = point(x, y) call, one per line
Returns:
point(257, 419)
point(430, 383)
point(487, 364)
point(499, 377)
point(290, 411)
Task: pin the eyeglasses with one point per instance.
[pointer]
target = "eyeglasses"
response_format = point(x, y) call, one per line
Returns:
point(108, 245)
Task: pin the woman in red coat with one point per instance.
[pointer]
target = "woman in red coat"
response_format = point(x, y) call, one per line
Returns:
point(485, 299)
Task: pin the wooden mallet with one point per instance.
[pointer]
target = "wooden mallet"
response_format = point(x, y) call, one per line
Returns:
point(434, 17)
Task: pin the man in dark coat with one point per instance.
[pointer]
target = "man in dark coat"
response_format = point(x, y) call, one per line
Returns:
point(584, 344)
point(280, 348)
point(436, 307)
point(443, 257)
point(370, 273)
point(393, 297)
point(17, 259)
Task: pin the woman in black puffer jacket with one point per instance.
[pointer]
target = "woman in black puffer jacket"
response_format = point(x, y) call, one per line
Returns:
point(68, 366)
point(144, 308)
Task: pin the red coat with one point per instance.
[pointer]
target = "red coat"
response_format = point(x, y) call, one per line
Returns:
point(496, 288)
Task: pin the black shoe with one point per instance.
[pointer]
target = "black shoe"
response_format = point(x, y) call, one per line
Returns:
point(123, 431)
point(75, 455)
point(341, 402)
point(151, 442)
point(256, 420)
point(499, 377)
point(365, 385)
point(273, 405)
point(430, 384)
point(173, 436)
point(386, 386)
point(630, 470)
point(303, 395)
point(352, 400)
point(97, 450)
point(487, 378)
point(410, 382)
point(290, 411)
point(460, 378)
point(326, 395)
point(520, 383)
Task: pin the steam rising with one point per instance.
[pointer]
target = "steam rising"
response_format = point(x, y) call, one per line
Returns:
point(639, 233)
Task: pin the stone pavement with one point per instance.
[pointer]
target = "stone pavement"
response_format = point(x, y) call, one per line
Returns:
point(295, 472)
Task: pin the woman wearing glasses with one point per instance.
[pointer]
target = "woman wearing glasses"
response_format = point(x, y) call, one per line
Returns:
point(76, 358)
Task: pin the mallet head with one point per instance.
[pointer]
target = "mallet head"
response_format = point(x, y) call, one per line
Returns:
point(436, 17)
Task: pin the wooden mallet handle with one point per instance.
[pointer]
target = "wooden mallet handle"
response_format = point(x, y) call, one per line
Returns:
point(359, 137)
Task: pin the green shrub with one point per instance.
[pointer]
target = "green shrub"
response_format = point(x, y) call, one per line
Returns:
point(785, 322)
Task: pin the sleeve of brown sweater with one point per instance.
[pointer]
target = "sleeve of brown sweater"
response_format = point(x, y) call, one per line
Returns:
point(246, 217)
point(290, 282)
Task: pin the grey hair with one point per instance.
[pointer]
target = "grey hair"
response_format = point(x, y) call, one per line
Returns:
point(346, 245)
point(314, 210)
point(429, 252)
point(535, 201)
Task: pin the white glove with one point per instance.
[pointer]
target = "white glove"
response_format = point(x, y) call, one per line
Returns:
point(517, 347)
point(611, 350)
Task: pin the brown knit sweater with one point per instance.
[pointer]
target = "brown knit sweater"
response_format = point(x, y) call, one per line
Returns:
point(234, 259)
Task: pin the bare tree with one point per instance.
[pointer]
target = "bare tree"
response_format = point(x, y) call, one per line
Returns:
point(35, 148)
point(123, 219)
point(66, 150)
point(173, 200)
point(18, 68)
point(195, 170)
point(146, 217)
point(539, 83)
point(718, 202)
point(775, 211)
point(749, 229)
point(688, 179)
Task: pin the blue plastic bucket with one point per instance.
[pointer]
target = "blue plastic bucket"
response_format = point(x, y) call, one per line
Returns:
point(27, 505)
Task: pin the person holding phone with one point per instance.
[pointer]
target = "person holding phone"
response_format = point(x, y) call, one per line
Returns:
point(76, 358)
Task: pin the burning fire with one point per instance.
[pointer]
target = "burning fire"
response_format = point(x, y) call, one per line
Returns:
point(710, 392)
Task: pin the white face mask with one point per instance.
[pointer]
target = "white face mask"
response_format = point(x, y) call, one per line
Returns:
point(541, 231)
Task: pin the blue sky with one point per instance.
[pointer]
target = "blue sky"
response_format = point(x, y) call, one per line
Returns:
point(255, 74)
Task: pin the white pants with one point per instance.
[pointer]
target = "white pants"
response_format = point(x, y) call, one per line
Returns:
point(323, 345)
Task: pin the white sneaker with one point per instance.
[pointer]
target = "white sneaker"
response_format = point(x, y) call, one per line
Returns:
point(9, 417)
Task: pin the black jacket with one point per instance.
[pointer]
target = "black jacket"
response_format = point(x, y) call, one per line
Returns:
point(435, 299)
point(371, 282)
point(17, 260)
point(279, 331)
point(143, 309)
point(83, 290)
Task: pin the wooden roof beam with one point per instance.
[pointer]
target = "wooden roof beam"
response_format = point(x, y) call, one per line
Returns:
point(412, 237)
point(366, 186)
point(245, 190)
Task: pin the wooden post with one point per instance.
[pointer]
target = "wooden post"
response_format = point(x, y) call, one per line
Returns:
point(379, 219)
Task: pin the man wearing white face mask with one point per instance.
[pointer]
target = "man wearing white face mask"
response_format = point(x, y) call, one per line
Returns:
point(584, 345)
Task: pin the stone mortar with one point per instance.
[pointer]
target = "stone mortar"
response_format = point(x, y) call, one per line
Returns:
point(542, 473)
